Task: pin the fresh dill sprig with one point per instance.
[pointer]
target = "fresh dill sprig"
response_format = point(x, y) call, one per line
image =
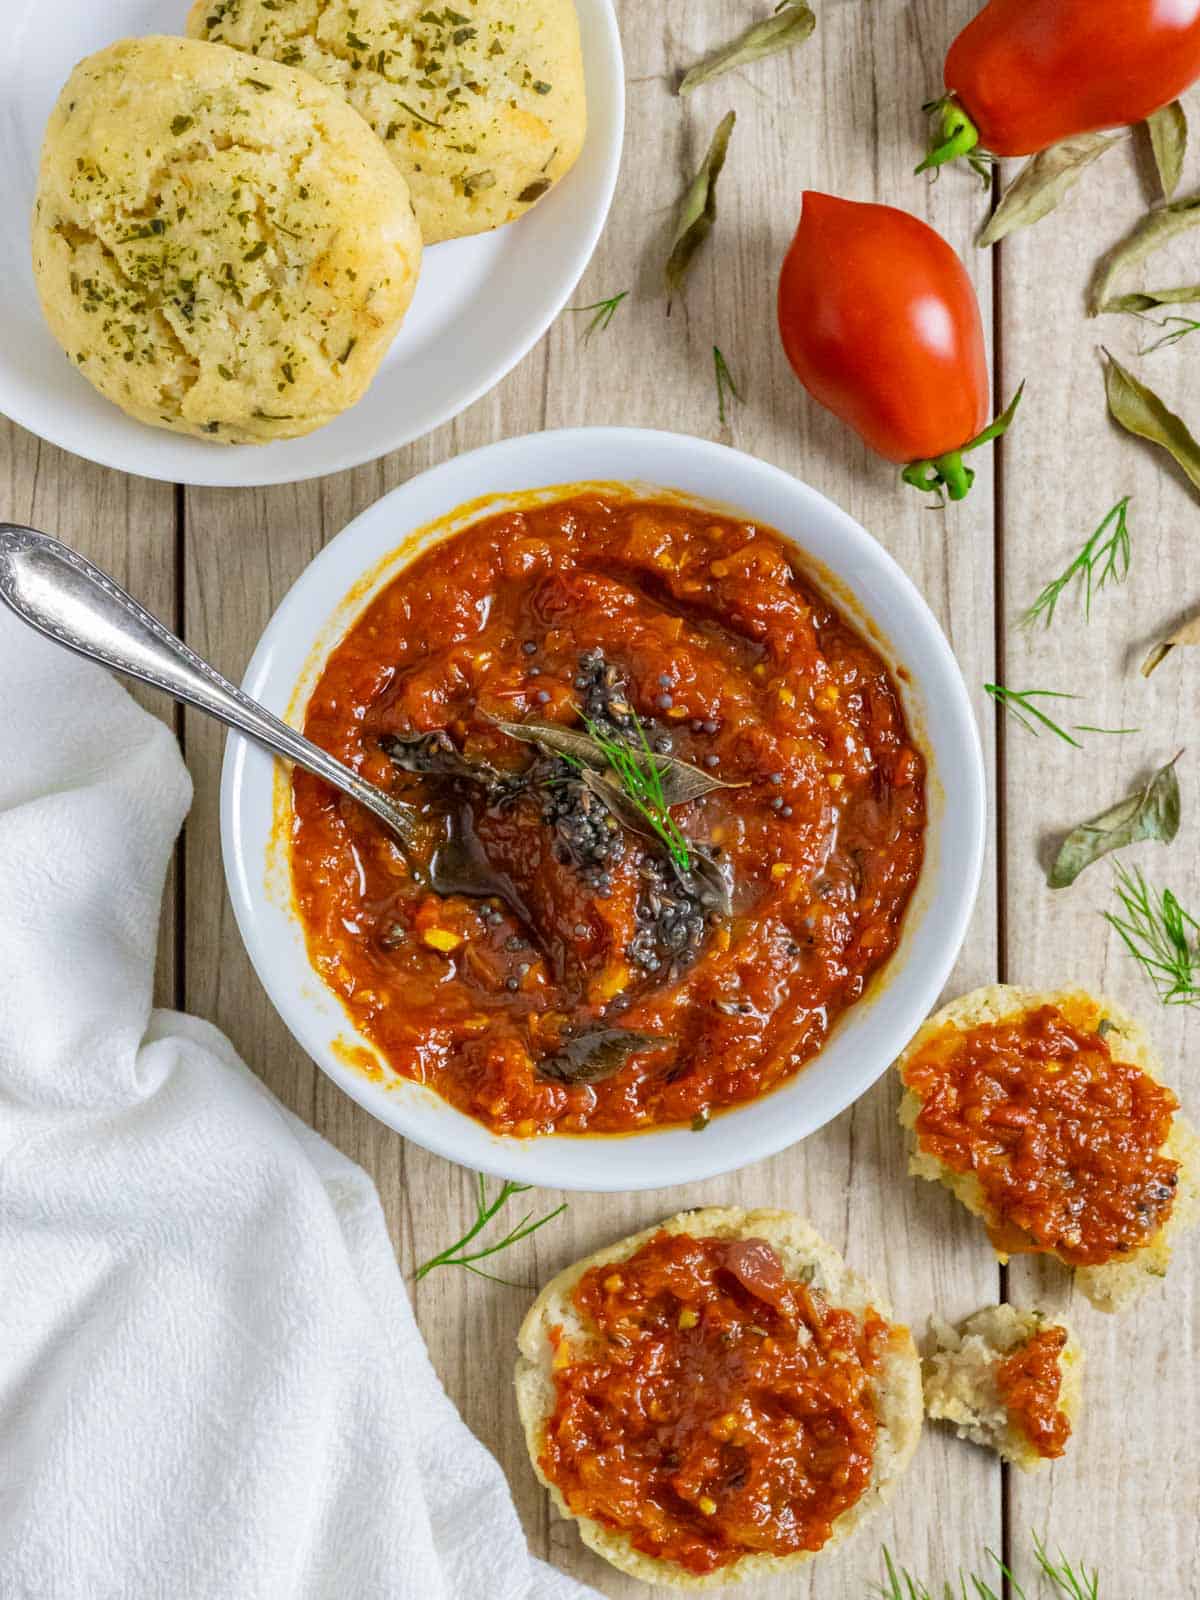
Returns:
point(1019, 702)
point(637, 771)
point(1160, 936)
point(1185, 326)
point(1104, 558)
point(1076, 1585)
point(901, 1585)
point(605, 311)
point(457, 1255)
point(725, 385)
point(1069, 1581)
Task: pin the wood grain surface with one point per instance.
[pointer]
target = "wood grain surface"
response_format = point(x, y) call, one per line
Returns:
point(840, 114)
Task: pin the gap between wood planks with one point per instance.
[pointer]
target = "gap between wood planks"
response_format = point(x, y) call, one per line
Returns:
point(178, 622)
point(999, 625)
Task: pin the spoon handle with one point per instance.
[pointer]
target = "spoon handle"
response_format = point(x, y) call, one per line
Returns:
point(63, 596)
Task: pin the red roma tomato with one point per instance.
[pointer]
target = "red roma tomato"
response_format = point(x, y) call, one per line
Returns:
point(881, 325)
point(1027, 73)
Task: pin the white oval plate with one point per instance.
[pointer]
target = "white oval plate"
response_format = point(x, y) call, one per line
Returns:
point(316, 614)
point(481, 304)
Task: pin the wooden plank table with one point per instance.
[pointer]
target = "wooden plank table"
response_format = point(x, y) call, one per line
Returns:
point(841, 114)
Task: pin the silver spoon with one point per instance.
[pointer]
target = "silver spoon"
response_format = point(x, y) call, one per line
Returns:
point(63, 596)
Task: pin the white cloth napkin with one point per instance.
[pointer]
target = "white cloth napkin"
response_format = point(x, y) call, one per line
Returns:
point(211, 1383)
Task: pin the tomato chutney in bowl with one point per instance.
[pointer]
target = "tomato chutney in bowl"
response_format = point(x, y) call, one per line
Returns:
point(677, 820)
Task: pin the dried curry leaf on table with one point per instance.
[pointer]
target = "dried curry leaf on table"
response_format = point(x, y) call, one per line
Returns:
point(697, 209)
point(1168, 132)
point(1042, 182)
point(1157, 228)
point(1150, 299)
point(1140, 411)
point(1150, 812)
point(1187, 635)
point(790, 25)
point(598, 1054)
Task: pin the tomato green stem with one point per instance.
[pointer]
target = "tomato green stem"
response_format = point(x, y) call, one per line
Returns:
point(955, 134)
point(948, 473)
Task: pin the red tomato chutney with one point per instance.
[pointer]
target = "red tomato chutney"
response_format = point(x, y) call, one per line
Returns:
point(1030, 1382)
point(715, 1408)
point(1065, 1140)
point(604, 986)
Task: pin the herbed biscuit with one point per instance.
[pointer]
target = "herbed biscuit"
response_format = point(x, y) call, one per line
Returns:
point(896, 1385)
point(222, 247)
point(481, 105)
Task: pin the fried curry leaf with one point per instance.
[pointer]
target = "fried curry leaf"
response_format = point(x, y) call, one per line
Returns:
point(1151, 812)
point(681, 782)
point(1155, 229)
point(1140, 411)
point(792, 23)
point(1188, 634)
point(697, 209)
point(1042, 182)
point(598, 1054)
point(708, 881)
point(435, 754)
point(1168, 132)
point(572, 743)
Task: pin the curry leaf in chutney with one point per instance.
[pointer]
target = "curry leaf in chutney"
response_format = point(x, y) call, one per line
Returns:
point(681, 782)
point(697, 209)
point(792, 23)
point(572, 743)
point(1151, 812)
point(598, 1054)
point(435, 754)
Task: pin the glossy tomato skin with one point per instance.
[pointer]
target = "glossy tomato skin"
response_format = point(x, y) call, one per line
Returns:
point(881, 325)
point(1031, 72)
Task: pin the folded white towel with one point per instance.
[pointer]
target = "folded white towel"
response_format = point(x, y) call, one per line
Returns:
point(211, 1383)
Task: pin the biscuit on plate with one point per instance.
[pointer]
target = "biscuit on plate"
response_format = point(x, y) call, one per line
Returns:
point(221, 246)
point(481, 105)
point(691, 1352)
point(1021, 1103)
point(1009, 1379)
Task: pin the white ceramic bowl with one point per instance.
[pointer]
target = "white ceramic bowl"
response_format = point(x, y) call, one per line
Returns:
point(362, 559)
point(480, 305)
